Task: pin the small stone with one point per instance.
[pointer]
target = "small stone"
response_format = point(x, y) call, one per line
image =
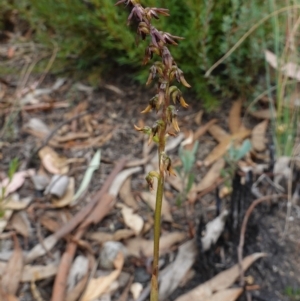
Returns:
point(109, 252)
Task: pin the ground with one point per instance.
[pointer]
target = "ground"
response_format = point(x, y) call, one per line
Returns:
point(114, 108)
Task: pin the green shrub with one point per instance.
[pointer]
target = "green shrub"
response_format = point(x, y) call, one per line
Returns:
point(92, 31)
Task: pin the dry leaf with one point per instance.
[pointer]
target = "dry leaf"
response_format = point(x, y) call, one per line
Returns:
point(98, 286)
point(213, 231)
point(138, 246)
point(211, 176)
point(150, 199)
point(54, 163)
point(289, 69)
point(78, 270)
point(198, 117)
point(102, 237)
point(218, 133)
point(37, 272)
point(203, 129)
point(16, 182)
point(258, 139)
point(136, 290)
point(220, 282)
point(230, 294)
point(263, 114)
point(120, 178)
point(235, 121)
point(126, 194)
point(57, 186)
point(175, 272)
point(14, 203)
point(13, 272)
point(221, 149)
point(67, 198)
point(21, 223)
point(132, 220)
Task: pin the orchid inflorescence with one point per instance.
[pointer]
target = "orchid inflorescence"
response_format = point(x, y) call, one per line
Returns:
point(165, 70)
point(164, 102)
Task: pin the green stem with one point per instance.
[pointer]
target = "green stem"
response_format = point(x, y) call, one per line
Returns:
point(157, 220)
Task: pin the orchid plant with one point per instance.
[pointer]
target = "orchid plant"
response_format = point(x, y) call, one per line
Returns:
point(164, 71)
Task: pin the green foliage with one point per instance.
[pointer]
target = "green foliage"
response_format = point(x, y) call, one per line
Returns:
point(93, 32)
point(293, 293)
point(188, 158)
point(232, 157)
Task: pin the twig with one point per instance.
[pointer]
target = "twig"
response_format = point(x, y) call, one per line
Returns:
point(244, 226)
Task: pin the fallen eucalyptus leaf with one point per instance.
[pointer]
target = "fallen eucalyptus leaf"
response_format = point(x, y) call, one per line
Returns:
point(54, 163)
point(131, 219)
point(235, 121)
point(120, 178)
point(175, 272)
point(220, 282)
point(139, 246)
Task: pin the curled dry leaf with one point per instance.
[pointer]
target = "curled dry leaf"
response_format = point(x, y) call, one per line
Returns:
point(126, 194)
point(58, 186)
point(258, 139)
point(221, 149)
point(220, 282)
point(139, 246)
point(235, 121)
point(67, 198)
point(54, 163)
point(132, 220)
point(18, 179)
point(98, 286)
point(120, 178)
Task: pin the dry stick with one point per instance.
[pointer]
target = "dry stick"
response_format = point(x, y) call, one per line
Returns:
point(244, 226)
point(102, 208)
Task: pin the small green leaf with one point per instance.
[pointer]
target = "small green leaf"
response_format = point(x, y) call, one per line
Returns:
point(243, 150)
point(13, 166)
point(190, 182)
point(94, 165)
